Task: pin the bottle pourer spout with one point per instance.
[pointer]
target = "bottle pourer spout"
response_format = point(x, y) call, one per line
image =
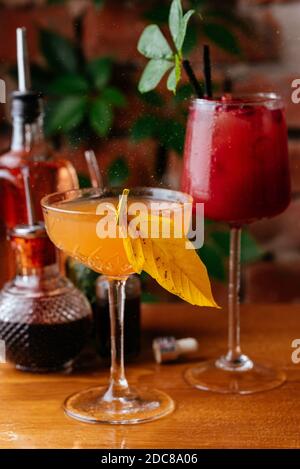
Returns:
point(23, 61)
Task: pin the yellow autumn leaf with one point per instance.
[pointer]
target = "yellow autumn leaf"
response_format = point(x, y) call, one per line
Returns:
point(176, 268)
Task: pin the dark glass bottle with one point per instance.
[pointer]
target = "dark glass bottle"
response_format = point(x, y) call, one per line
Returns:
point(132, 317)
point(44, 320)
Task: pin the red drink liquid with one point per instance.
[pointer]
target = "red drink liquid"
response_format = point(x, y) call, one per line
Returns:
point(236, 158)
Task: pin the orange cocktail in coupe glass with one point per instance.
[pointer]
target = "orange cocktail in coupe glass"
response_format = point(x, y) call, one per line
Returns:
point(73, 220)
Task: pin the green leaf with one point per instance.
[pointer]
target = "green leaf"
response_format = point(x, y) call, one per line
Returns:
point(175, 18)
point(99, 3)
point(198, 3)
point(172, 81)
point(153, 45)
point(118, 172)
point(80, 134)
point(183, 93)
point(69, 85)
point(66, 114)
point(100, 71)
point(84, 181)
point(213, 261)
point(232, 18)
point(40, 78)
point(149, 297)
point(222, 37)
point(153, 98)
point(58, 51)
point(178, 23)
point(183, 26)
point(190, 40)
point(101, 117)
point(145, 127)
point(153, 73)
point(114, 96)
point(221, 240)
point(250, 250)
point(171, 133)
point(83, 277)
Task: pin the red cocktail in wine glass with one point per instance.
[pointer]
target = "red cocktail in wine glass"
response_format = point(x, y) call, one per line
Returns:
point(236, 163)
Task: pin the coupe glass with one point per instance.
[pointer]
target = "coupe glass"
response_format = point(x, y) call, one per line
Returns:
point(236, 163)
point(71, 222)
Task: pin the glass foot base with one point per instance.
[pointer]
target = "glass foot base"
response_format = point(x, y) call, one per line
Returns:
point(140, 405)
point(246, 378)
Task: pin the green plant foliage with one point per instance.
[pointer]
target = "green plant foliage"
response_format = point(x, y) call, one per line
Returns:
point(153, 45)
point(191, 39)
point(84, 181)
point(222, 36)
point(250, 250)
point(146, 126)
point(118, 172)
point(100, 71)
point(183, 93)
point(153, 73)
point(214, 261)
point(214, 24)
point(114, 97)
point(169, 132)
point(69, 84)
point(82, 99)
point(83, 277)
point(58, 51)
point(101, 117)
point(153, 98)
point(66, 114)
point(163, 57)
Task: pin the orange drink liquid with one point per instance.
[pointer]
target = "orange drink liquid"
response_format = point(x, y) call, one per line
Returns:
point(73, 227)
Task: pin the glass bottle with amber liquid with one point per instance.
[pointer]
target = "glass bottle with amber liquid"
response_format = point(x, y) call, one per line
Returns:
point(28, 148)
point(45, 321)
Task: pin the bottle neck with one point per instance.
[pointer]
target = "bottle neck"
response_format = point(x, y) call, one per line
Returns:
point(28, 137)
point(34, 255)
point(39, 281)
point(43, 273)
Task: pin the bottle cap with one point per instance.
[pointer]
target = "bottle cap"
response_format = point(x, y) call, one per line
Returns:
point(167, 349)
point(187, 345)
point(27, 106)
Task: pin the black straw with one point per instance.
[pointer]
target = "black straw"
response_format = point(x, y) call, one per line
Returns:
point(192, 78)
point(207, 72)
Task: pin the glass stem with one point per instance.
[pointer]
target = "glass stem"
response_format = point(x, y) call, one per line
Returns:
point(234, 350)
point(118, 386)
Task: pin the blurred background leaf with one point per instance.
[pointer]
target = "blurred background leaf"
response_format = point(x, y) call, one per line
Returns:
point(58, 51)
point(118, 172)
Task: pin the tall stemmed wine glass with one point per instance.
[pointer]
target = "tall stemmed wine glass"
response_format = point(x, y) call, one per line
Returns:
point(236, 163)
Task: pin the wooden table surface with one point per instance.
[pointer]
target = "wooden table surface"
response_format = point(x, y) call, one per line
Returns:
point(31, 415)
